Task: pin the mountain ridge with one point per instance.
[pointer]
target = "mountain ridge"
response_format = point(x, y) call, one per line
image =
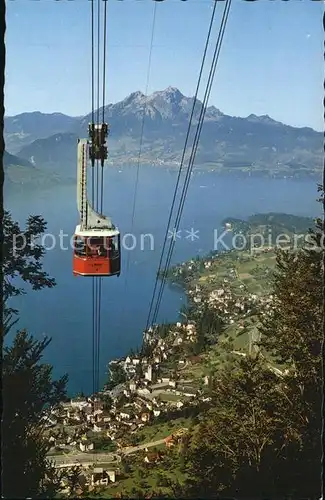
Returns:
point(20, 174)
point(136, 93)
point(254, 143)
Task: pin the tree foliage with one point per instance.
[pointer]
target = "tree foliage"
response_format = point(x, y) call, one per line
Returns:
point(73, 479)
point(237, 441)
point(27, 385)
point(117, 376)
point(22, 261)
point(28, 390)
point(262, 435)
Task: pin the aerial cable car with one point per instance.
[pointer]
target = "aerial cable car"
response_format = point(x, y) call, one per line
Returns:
point(96, 249)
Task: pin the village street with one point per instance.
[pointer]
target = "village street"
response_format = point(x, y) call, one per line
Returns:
point(107, 458)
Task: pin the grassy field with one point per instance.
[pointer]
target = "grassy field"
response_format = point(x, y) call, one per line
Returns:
point(139, 475)
point(241, 341)
point(169, 397)
point(254, 271)
point(149, 481)
point(239, 268)
point(162, 430)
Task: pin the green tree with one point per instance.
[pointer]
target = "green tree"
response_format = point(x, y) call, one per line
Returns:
point(143, 484)
point(161, 479)
point(209, 326)
point(103, 443)
point(233, 447)
point(117, 376)
point(136, 492)
point(125, 465)
point(293, 334)
point(262, 434)
point(22, 259)
point(141, 472)
point(139, 371)
point(134, 439)
point(28, 388)
point(107, 402)
point(73, 479)
point(28, 391)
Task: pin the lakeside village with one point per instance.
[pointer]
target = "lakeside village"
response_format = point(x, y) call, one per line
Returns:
point(169, 380)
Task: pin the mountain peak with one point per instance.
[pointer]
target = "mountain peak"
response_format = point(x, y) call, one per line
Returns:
point(262, 119)
point(172, 90)
point(134, 96)
point(232, 143)
point(170, 94)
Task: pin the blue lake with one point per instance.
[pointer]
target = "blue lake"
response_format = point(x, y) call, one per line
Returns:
point(65, 312)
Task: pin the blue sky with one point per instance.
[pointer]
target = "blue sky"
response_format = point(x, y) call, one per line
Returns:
point(271, 61)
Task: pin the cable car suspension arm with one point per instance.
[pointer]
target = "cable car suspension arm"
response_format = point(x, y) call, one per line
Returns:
point(89, 218)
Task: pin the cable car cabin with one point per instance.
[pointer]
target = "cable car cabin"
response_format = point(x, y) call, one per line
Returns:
point(96, 252)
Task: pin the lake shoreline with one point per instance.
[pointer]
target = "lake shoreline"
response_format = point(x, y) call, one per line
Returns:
point(125, 308)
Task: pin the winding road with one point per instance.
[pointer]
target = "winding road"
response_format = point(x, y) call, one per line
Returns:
point(85, 459)
point(132, 449)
